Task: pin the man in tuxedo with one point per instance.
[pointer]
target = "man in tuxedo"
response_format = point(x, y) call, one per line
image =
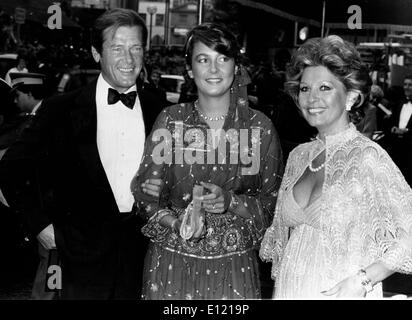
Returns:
point(75, 164)
point(400, 132)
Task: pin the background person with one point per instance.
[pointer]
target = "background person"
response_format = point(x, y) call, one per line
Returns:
point(29, 92)
point(400, 131)
point(220, 262)
point(344, 201)
point(20, 67)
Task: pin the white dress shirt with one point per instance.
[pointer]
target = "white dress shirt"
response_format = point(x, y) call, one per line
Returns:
point(120, 141)
point(405, 115)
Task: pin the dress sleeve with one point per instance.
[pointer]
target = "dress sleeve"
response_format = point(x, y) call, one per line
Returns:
point(276, 236)
point(261, 204)
point(154, 165)
point(388, 226)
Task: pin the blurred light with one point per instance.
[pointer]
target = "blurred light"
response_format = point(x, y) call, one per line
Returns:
point(303, 33)
point(243, 50)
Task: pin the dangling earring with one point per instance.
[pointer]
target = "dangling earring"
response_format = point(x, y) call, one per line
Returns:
point(348, 107)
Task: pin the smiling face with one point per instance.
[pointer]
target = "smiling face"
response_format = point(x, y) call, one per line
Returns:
point(407, 88)
point(121, 58)
point(322, 100)
point(212, 71)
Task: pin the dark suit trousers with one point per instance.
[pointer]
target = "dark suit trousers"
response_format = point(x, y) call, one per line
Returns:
point(39, 285)
point(122, 271)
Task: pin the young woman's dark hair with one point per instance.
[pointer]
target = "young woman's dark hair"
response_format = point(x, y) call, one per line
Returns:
point(216, 37)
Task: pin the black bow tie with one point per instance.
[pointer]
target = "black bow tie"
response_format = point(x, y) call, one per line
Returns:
point(128, 99)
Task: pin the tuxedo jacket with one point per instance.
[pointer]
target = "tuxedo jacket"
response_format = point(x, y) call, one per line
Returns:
point(53, 174)
point(400, 148)
point(396, 113)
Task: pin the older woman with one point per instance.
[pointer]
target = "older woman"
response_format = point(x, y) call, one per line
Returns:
point(343, 220)
point(204, 246)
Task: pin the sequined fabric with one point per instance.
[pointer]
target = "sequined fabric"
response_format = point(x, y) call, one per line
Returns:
point(364, 215)
point(229, 237)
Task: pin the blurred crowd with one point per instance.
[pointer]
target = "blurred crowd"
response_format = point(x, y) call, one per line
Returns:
point(266, 90)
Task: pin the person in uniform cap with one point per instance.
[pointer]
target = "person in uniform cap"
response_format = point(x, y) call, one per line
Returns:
point(28, 92)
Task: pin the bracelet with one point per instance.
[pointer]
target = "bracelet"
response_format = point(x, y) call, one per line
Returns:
point(365, 281)
point(161, 213)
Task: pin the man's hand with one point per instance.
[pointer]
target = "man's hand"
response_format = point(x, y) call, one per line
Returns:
point(46, 237)
point(152, 187)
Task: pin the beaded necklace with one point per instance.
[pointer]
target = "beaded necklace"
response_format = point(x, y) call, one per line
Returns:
point(204, 117)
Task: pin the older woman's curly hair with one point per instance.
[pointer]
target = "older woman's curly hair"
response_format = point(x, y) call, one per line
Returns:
point(340, 57)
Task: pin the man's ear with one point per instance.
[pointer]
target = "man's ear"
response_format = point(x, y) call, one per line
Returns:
point(95, 54)
point(351, 99)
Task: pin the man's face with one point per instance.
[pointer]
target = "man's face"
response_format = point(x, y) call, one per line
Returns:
point(21, 64)
point(407, 88)
point(121, 58)
point(155, 77)
point(24, 101)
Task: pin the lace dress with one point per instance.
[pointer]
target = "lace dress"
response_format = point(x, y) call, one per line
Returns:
point(362, 216)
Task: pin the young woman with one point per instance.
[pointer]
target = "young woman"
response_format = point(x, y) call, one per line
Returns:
point(230, 150)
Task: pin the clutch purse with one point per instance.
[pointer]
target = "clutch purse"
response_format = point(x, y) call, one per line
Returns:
point(194, 217)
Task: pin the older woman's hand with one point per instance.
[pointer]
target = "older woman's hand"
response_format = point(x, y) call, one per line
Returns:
point(217, 201)
point(152, 187)
point(350, 287)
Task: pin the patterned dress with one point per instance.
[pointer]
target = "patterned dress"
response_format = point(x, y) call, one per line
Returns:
point(223, 264)
point(364, 215)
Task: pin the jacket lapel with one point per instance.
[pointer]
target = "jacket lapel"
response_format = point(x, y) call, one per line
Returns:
point(84, 125)
point(145, 106)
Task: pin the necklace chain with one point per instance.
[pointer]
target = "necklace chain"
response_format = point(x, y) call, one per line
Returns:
point(203, 116)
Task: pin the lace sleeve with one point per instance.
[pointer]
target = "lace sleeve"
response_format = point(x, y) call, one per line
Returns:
point(276, 236)
point(262, 205)
point(389, 224)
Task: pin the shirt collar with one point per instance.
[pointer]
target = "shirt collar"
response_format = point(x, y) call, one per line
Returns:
point(102, 91)
point(104, 86)
point(36, 107)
